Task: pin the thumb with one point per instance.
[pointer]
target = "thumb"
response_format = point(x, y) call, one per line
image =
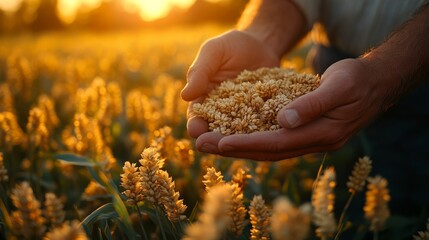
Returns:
point(205, 65)
point(306, 108)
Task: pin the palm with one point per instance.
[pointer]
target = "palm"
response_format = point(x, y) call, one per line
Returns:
point(220, 59)
point(347, 99)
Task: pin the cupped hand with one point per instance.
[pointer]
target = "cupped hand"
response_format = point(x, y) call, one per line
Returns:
point(348, 98)
point(219, 59)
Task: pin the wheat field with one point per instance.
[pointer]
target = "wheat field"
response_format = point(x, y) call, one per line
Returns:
point(93, 145)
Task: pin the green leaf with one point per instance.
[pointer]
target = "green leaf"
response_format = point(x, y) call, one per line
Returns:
point(107, 211)
point(121, 209)
point(96, 176)
point(194, 213)
point(159, 217)
point(5, 215)
point(151, 211)
point(111, 211)
point(73, 159)
point(95, 197)
point(118, 205)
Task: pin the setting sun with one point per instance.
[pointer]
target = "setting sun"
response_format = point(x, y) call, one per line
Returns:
point(150, 10)
point(67, 9)
point(10, 6)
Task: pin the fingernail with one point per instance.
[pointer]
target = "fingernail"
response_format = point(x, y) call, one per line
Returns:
point(291, 117)
point(208, 148)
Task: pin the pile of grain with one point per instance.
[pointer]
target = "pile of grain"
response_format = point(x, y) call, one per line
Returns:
point(250, 102)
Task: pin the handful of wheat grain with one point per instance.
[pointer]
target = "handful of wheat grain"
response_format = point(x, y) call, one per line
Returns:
point(250, 102)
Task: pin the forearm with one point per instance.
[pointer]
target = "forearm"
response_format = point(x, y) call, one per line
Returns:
point(402, 62)
point(278, 23)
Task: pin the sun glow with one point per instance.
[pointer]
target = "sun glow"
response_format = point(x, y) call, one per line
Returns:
point(150, 10)
point(67, 9)
point(10, 6)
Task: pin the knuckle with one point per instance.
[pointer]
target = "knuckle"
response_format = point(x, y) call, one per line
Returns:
point(313, 104)
point(209, 45)
point(316, 106)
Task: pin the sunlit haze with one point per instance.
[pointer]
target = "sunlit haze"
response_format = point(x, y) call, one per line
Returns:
point(10, 5)
point(67, 9)
point(148, 9)
point(151, 10)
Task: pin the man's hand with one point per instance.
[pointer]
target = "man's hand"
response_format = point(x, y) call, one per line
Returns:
point(348, 98)
point(352, 91)
point(222, 58)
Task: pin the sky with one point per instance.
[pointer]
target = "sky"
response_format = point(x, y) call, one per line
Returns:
point(148, 9)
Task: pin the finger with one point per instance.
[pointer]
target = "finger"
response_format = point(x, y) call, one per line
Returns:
point(208, 142)
point(196, 126)
point(320, 132)
point(190, 113)
point(206, 64)
point(310, 106)
point(267, 156)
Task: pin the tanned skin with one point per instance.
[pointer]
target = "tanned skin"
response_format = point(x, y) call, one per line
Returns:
point(353, 92)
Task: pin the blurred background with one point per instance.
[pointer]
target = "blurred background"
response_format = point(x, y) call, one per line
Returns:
point(102, 79)
point(44, 15)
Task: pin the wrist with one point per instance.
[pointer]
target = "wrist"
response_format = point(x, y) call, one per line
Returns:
point(279, 24)
point(388, 81)
point(401, 62)
point(269, 42)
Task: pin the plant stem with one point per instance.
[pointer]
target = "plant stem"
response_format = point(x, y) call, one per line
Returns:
point(160, 225)
point(7, 221)
point(141, 222)
point(181, 227)
point(343, 215)
point(3, 191)
point(12, 166)
point(34, 160)
point(319, 172)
